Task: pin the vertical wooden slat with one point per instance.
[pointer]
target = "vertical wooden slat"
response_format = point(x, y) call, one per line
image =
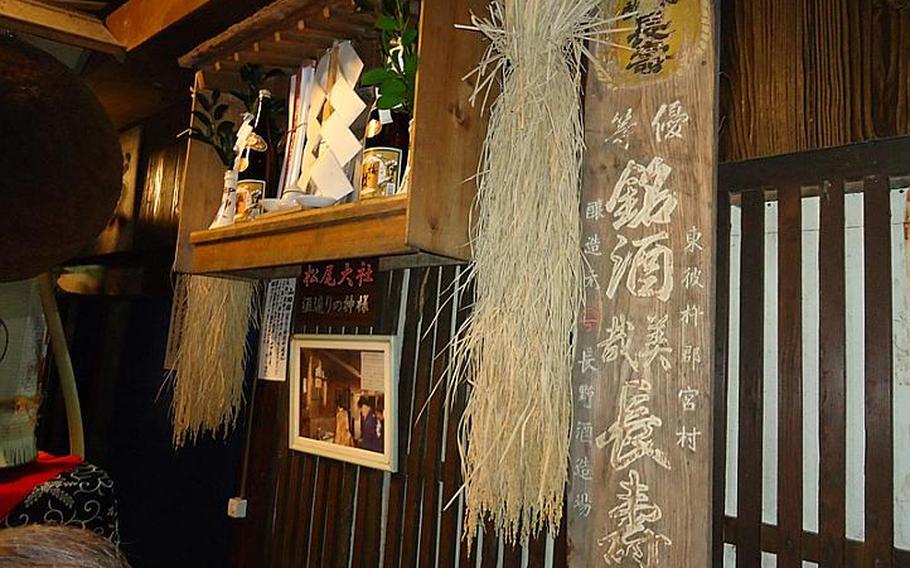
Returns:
point(362, 517)
point(789, 361)
point(561, 544)
point(371, 512)
point(468, 554)
point(833, 387)
point(511, 556)
point(433, 414)
point(415, 469)
point(332, 509)
point(537, 551)
point(286, 514)
point(317, 522)
point(879, 492)
point(299, 545)
point(489, 556)
point(451, 468)
point(405, 392)
point(751, 379)
point(345, 515)
point(721, 339)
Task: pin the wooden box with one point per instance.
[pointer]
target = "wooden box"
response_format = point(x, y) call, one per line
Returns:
point(431, 220)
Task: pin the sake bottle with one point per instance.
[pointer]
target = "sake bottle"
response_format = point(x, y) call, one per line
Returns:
point(385, 153)
point(258, 163)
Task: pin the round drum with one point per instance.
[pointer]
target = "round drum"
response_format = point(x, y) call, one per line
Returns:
point(60, 162)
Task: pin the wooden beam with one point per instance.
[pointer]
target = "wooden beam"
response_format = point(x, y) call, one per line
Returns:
point(58, 24)
point(855, 551)
point(887, 156)
point(137, 21)
point(81, 5)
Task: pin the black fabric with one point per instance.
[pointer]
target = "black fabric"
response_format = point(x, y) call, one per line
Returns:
point(83, 498)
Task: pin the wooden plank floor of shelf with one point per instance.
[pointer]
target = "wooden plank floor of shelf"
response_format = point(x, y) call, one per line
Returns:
point(368, 228)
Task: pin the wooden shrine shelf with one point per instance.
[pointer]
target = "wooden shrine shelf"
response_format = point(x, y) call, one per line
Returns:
point(376, 227)
point(428, 225)
point(282, 34)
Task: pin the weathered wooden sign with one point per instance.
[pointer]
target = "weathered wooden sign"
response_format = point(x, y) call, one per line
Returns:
point(339, 293)
point(640, 491)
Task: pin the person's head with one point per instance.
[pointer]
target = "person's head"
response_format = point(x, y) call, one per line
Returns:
point(339, 403)
point(31, 546)
point(364, 406)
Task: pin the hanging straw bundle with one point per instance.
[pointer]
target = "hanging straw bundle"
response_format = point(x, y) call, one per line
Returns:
point(211, 357)
point(517, 349)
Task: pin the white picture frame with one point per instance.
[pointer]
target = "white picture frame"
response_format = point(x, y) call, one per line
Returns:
point(328, 379)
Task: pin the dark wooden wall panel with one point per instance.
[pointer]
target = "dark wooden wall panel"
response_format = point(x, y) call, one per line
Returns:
point(790, 383)
point(833, 378)
point(806, 74)
point(879, 504)
point(751, 380)
point(312, 511)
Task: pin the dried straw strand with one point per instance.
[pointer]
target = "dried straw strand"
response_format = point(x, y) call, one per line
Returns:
point(211, 357)
point(516, 350)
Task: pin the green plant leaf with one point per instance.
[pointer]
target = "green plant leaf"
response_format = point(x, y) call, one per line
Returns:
point(226, 128)
point(387, 102)
point(219, 111)
point(216, 94)
point(408, 37)
point(376, 76)
point(386, 23)
point(203, 118)
point(251, 73)
point(203, 100)
point(410, 66)
point(394, 87)
point(239, 95)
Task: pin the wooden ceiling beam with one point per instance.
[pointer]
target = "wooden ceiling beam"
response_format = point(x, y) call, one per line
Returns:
point(137, 21)
point(266, 21)
point(59, 24)
point(81, 5)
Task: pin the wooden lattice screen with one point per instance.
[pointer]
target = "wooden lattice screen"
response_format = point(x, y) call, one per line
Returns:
point(873, 169)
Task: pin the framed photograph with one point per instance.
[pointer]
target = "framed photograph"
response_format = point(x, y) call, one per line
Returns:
point(344, 391)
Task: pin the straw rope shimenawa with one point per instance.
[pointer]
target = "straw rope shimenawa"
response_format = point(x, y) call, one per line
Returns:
point(211, 356)
point(517, 349)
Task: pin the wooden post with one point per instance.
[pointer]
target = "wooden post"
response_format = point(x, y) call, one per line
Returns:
point(64, 365)
point(640, 493)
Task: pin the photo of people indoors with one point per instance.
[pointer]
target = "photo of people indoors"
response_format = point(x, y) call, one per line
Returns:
point(334, 405)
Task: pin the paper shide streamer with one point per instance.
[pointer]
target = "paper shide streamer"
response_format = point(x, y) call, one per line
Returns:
point(516, 351)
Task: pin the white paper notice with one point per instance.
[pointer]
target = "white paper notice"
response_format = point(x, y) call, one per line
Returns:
point(372, 371)
point(276, 329)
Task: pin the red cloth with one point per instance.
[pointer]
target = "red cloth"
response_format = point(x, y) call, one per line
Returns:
point(17, 482)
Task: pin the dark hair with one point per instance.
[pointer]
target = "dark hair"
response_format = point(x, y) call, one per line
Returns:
point(339, 402)
point(362, 401)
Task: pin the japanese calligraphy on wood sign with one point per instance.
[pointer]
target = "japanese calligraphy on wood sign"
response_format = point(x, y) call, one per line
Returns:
point(640, 492)
point(339, 293)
